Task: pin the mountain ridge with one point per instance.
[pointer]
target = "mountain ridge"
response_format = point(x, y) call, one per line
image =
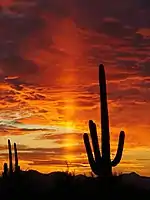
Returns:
point(132, 178)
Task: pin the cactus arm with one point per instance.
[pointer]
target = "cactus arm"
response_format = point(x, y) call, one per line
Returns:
point(10, 158)
point(119, 150)
point(89, 152)
point(104, 115)
point(16, 157)
point(94, 137)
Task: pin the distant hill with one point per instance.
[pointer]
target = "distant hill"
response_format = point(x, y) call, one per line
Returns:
point(35, 185)
point(52, 178)
point(140, 182)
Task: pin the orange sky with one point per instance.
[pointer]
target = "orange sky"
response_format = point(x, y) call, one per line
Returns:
point(49, 57)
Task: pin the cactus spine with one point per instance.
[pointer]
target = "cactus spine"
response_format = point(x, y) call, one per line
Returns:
point(101, 163)
point(10, 158)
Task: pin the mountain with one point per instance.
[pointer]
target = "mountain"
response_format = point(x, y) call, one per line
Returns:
point(133, 179)
point(33, 184)
point(51, 180)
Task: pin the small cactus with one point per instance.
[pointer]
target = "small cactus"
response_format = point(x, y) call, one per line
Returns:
point(9, 172)
point(102, 165)
point(10, 158)
point(5, 172)
point(17, 167)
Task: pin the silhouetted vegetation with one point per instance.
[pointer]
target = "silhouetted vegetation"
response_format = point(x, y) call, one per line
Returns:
point(9, 172)
point(102, 165)
point(32, 185)
point(18, 184)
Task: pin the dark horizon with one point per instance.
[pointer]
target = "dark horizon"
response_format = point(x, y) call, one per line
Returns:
point(49, 57)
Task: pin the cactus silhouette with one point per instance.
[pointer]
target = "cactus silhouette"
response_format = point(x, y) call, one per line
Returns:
point(10, 158)
point(101, 163)
point(17, 167)
point(9, 172)
point(5, 172)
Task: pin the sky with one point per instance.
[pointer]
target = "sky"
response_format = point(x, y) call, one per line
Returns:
point(49, 56)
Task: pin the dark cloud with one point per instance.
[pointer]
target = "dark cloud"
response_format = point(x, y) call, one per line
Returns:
point(37, 154)
point(26, 21)
point(63, 138)
point(14, 82)
point(144, 69)
point(135, 68)
point(8, 96)
point(34, 96)
point(17, 66)
point(144, 4)
point(16, 27)
point(15, 127)
point(115, 28)
point(43, 111)
point(57, 7)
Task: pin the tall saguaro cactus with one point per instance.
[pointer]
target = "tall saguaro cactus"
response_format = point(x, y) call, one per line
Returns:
point(10, 158)
point(101, 163)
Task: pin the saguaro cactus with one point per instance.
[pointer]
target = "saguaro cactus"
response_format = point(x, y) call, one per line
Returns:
point(17, 167)
point(101, 163)
point(9, 172)
point(5, 172)
point(10, 158)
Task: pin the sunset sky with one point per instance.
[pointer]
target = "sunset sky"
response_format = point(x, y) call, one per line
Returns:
point(49, 56)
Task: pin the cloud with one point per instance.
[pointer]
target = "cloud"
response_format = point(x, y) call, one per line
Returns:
point(65, 139)
point(47, 156)
point(114, 28)
point(17, 66)
point(14, 82)
point(34, 96)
